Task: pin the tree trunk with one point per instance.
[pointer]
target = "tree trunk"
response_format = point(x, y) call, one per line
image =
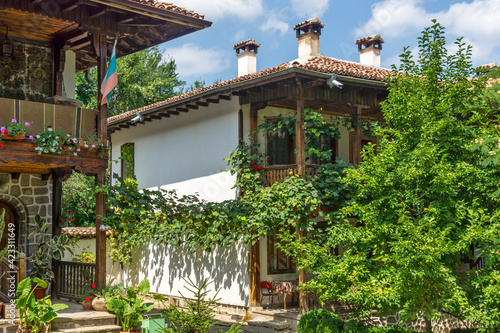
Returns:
point(428, 325)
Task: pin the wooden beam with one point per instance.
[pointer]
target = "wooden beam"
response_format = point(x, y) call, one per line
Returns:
point(72, 5)
point(155, 117)
point(182, 109)
point(240, 127)
point(315, 83)
point(213, 100)
point(101, 11)
point(123, 126)
point(175, 113)
point(200, 103)
point(357, 144)
point(147, 120)
point(191, 106)
point(224, 97)
point(163, 114)
point(255, 275)
point(239, 93)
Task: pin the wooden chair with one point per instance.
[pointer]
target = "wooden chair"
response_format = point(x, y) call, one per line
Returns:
point(265, 290)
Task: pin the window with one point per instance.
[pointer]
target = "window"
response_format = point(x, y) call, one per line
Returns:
point(352, 141)
point(279, 146)
point(327, 143)
point(277, 261)
point(127, 157)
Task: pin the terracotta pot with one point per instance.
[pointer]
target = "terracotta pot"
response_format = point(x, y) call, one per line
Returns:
point(39, 293)
point(87, 305)
point(14, 137)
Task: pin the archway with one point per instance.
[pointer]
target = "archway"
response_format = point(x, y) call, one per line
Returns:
point(10, 240)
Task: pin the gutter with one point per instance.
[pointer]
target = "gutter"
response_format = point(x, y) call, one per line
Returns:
point(236, 85)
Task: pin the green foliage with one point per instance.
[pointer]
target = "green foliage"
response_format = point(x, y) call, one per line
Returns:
point(198, 317)
point(14, 128)
point(35, 316)
point(248, 167)
point(320, 321)
point(50, 141)
point(49, 248)
point(143, 78)
point(129, 307)
point(463, 330)
point(78, 201)
point(421, 202)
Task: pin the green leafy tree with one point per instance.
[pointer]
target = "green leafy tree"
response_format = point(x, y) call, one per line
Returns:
point(424, 201)
point(143, 78)
point(78, 198)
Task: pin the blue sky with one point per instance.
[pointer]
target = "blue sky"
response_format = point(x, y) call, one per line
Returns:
point(208, 54)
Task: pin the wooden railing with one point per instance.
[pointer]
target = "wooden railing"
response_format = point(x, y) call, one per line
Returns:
point(11, 275)
point(73, 278)
point(480, 263)
point(277, 173)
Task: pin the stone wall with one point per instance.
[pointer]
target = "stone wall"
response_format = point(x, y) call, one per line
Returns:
point(30, 195)
point(443, 325)
point(28, 74)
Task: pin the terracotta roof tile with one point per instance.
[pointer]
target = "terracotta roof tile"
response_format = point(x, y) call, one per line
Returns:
point(318, 64)
point(81, 232)
point(171, 7)
point(369, 39)
point(310, 21)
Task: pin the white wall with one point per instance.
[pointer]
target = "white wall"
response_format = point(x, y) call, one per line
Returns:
point(166, 266)
point(185, 151)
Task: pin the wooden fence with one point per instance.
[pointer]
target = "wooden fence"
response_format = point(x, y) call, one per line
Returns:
point(277, 173)
point(73, 278)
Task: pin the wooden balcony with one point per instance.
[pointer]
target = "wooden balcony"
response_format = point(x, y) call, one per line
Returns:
point(69, 119)
point(277, 173)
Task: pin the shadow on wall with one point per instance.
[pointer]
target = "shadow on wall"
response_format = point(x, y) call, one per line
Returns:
point(166, 266)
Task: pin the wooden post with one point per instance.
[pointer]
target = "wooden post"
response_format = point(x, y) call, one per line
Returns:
point(59, 60)
point(100, 47)
point(301, 162)
point(56, 216)
point(357, 142)
point(255, 249)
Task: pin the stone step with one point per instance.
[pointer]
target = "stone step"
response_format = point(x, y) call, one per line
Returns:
point(273, 324)
point(83, 319)
point(90, 329)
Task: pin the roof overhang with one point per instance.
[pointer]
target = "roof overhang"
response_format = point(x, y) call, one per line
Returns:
point(226, 92)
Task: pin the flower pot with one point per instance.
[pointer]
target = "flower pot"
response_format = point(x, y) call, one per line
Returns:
point(39, 293)
point(99, 304)
point(87, 305)
point(15, 137)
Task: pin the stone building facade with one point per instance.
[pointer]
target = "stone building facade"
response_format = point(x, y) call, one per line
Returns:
point(28, 195)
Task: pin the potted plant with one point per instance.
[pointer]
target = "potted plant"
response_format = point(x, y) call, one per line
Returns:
point(109, 291)
point(87, 298)
point(48, 248)
point(129, 307)
point(50, 141)
point(14, 130)
point(35, 316)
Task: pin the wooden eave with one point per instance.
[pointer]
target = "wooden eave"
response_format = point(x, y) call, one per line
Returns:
point(136, 26)
point(280, 90)
point(20, 157)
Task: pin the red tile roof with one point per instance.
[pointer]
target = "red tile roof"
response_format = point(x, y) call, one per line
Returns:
point(171, 7)
point(81, 232)
point(319, 64)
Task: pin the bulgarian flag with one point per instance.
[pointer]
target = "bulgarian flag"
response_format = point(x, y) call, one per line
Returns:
point(110, 80)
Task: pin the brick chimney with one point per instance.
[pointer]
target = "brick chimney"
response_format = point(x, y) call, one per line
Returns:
point(369, 50)
point(247, 56)
point(308, 33)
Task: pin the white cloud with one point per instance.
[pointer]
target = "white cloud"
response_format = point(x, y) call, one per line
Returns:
point(273, 23)
point(478, 21)
point(309, 9)
point(193, 60)
point(216, 9)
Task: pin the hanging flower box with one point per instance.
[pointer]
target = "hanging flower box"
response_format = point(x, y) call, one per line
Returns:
point(14, 137)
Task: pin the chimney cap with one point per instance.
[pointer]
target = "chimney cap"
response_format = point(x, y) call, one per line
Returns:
point(374, 41)
point(312, 25)
point(246, 46)
point(311, 21)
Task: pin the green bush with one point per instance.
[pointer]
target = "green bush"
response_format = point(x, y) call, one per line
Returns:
point(355, 327)
point(463, 330)
point(320, 321)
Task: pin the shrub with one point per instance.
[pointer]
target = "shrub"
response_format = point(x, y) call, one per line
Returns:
point(320, 321)
point(463, 330)
point(355, 327)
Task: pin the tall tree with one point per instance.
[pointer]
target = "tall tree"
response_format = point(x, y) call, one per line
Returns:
point(143, 78)
point(426, 208)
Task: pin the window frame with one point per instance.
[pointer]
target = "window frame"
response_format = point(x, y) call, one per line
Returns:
point(123, 162)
